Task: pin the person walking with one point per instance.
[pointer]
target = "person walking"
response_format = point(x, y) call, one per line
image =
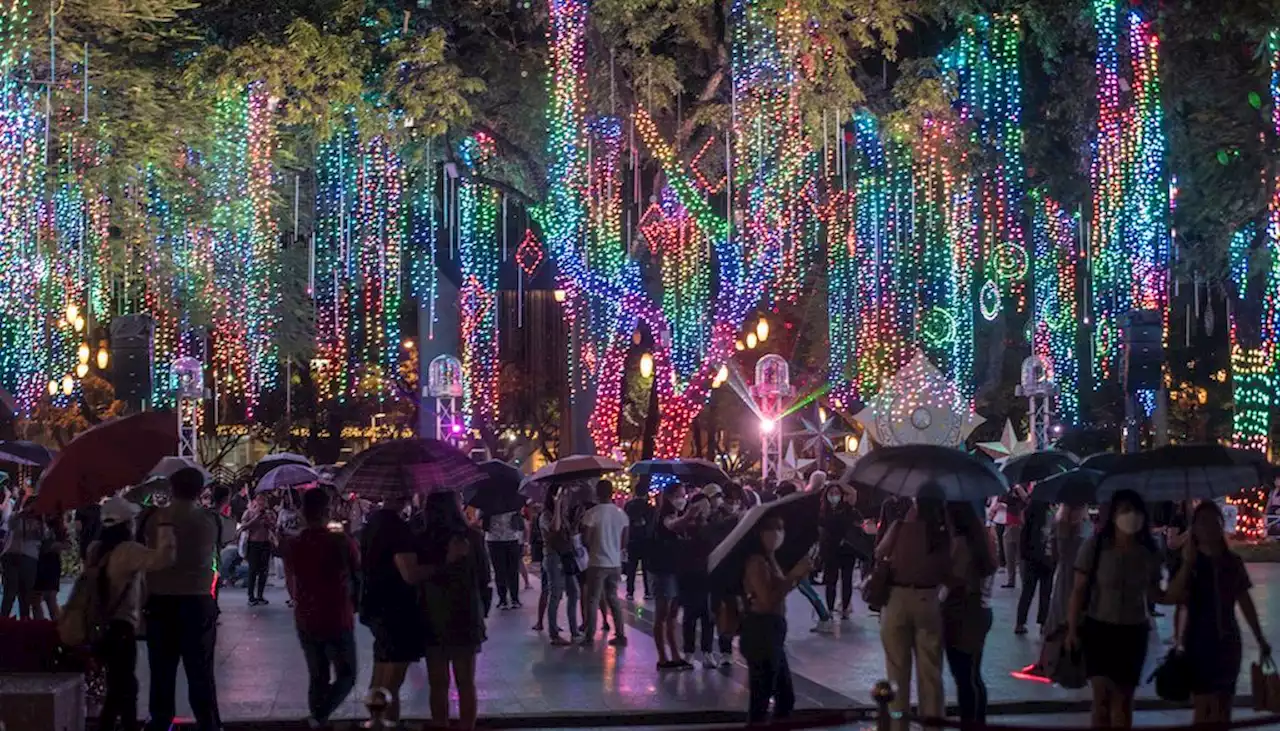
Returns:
point(49, 568)
point(257, 528)
point(640, 513)
point(604, 533)
point(455, 589)
point(181, 611)
point(966, 610)
point(537, 555)
point(664, 562)
point(764, 625)
point(502, 535)
point(324, 563)
point(389, 598)
point(120, 562)
point(1014, 502)
point(559, 560)
point(918, 549)
point(839, 531)
point(1117, 577)
point(997, 514)
point(1036, 551)
point(1069, 526)
point(725, 595)
point(1210, 582)
point(19, 562)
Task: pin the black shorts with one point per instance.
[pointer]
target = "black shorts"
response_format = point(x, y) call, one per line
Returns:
point(398, 640)
point(48, 572)
point(1115, 651)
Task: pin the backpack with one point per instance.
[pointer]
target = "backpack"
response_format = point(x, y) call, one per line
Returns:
point(85, 617)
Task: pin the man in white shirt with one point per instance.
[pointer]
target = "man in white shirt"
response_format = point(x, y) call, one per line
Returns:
point(604, 531)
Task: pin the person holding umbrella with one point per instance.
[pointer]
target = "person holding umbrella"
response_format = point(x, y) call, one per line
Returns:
point(554, 524)
point(639, 535)
point(664, 560)
point(389, 597)
point(840, 528)
point(256, 527)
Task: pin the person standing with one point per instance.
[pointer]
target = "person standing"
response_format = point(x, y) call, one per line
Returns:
point(537, 555)
point(1014, 502)
point(604, 531)
point(324, 563)
point(454, 590)
point(389, 598)
point(121, 561)
point(694, 582)
point(257, 528)
point(181, 611)
point(966, 610)
point(19, 562)
point(839, 527)
point(997, 514)
point(554, 523)
point(825, 625)
point(764, 626)
point(664, 561)
point(49, 568)
point(87, 523)
point(1117, 577)
point(640, 514)
point(1069, 528)
point(288, 525)
point(918, 550)
point(502, 534)
point(1210, 582)
point(1036, 551)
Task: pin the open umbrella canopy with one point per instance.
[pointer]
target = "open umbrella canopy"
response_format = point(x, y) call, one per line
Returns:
point(105, 458)
point(911, 469)
point(498, 492)
point(405, 466)
point(26, 454)
point(575, 467)
point(799, 514)
point(286, 476)
point(167, 466)
point(1185, 472)
point(272, 461)
point(1100, 462)
point(1076, 487)
point(1036, 466)
point(691, 471)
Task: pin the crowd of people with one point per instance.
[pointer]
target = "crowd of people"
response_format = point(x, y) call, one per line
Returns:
point(423, 573)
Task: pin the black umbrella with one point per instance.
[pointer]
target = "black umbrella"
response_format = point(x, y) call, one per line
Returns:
point(26, 454)
point(1186, 471)
point(1077, 487)
point(799, 514)
point(910, 469)
point(272, 461)
point(498, 492)
point(1037, 466)
point(1101, 462)
point(690, 471)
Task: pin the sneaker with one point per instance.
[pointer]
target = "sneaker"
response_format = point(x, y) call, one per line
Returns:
point(618, 641)
point(517, 605)
point(1020, 630)
point(262, 601)
point(824, 627)
point(537, 627)
point(710, 661)
point(503, 605)
point(558, 641)
point(647, 595)
point(631, 597)
point(724, 659)
point(585, 642)
point(576, 639)
point(683, 665)
point(846, 614)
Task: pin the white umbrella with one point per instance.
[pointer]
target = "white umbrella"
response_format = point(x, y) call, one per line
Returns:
point(286, 476)
point(272, 461)
point(168, 466)
point(575, 467)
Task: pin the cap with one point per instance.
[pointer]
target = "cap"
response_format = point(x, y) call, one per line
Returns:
point(712, 490)
point(117, 510)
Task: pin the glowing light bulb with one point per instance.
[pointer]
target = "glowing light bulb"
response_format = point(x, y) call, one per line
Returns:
point(560, 295)
point(722, 375)
point(68, 385)
point(53, 388)
point(739, 346)
point(851, 443)
point(83, 352)
point(78, 323)
point(81, 370)
point(646, 366)
point(408, 345)
point(72, 312)
point(762, 330)
point(103, 358)
point(752, 341)
point(767, 425)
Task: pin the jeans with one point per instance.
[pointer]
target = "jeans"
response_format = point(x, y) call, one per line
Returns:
point(724, 639)
point(182, 629)
point(19, 579)
point(505, 556)
point(603, 582)
point(838, 569)
point(1035, 576)
point(971, 690)
point(118, 653)
point(695, 605)
point(635, 557)
point(911, 630)
point(1012, 550)
point(808, 592)
point(331, 665)
point(764, 638)
point(258, 556)
point(561, 584)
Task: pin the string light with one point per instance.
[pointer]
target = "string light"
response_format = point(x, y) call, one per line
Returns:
point(1056, 316)
point(478, 258)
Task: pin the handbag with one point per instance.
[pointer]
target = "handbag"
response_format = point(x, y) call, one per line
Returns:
point(1069, 672)
point(875, 590)
point(1259, 673)
point(1173, 677)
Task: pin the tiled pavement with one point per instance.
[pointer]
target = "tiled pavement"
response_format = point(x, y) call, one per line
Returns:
point(260, 671)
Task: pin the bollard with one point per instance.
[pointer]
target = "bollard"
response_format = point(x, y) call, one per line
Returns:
point(882, 694)
point(377, 701)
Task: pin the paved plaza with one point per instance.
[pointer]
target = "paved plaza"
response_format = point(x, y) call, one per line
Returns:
point(261, 675)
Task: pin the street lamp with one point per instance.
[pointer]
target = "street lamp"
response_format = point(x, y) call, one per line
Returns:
point(752, 341)
point(83, 352)
point(53, 388)
point(762, 330)
point(768, 425)
point(68, 385)
point(646, 366)
point(82, 370)
point(103, 358)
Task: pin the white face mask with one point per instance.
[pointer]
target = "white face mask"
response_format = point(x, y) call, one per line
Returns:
point(773, 540)
point(1129, 523)
point(678, 503)
point(833, 499)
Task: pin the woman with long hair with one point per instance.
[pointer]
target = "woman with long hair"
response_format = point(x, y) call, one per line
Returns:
point(918, 549)
point(119, 561)
point(664, 562)
point(1117, 578)
point(839, 524)
point(557, 559)
point(1210, 582)
point(454, 594)
point(764, 626)
point(49, 568)
point(966, 611)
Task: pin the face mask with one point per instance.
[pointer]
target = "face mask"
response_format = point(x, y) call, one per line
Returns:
point(833, 499)
point(1129, 523)
point(678, 503)
point(773, 539)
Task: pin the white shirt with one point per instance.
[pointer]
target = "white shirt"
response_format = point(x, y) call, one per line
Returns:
point(604, 526)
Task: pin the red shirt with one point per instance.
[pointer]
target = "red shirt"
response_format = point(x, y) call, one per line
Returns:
point(322, 564)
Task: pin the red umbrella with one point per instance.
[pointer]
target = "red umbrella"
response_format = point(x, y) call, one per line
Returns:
point(108, 457)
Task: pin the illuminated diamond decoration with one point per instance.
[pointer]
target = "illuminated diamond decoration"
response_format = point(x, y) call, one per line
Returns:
point(529, 253)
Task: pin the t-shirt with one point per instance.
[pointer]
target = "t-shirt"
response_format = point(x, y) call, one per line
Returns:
point(322, 566)
point(1216, 585)
point(384, 592)
point(288, 523)
point(504, 527)
point(640, 513)
point(1123, 583)
point(26, 534)
point(604, 525)
point(197, 532)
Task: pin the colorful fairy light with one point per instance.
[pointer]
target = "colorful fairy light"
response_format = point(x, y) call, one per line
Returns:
point(1056, 318)
point(478, 257)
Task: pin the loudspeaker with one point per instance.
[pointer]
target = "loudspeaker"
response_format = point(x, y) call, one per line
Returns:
point(1142, 333)
point(132, 338)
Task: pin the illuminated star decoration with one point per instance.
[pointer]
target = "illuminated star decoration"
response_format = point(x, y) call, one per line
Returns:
point(918, 405)
point(793, 467)
point(821, 436)
point(851, 458)
point(1008, 446)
